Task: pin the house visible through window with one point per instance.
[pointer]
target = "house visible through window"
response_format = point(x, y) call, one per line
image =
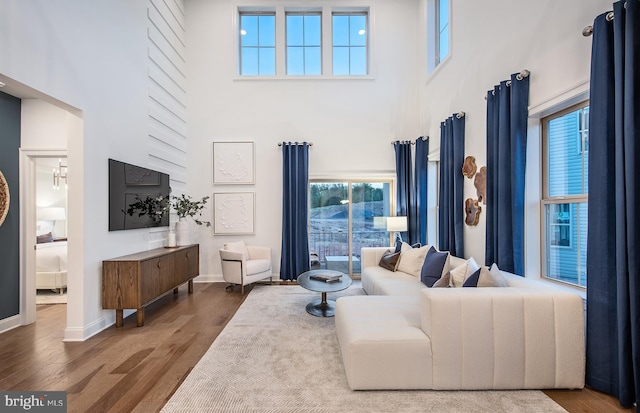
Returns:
point(257, 44)
point(565, 195)
point(304, 43)
point(350, 34)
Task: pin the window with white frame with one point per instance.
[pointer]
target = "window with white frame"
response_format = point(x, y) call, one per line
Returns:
point(304, 43)
point(565, 195)
point(350, 34)
point(439, 32)
point(257, 44)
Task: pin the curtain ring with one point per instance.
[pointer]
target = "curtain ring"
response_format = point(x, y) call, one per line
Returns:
point(587, 31)
point(610, 16)
point(509, 82)
point(523, 74)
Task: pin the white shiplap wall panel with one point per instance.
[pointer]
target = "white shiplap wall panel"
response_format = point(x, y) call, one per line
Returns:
point(168, 23)
point(161, 42)
point(162, 133)
point(167, 68)
point(166, 118)
point(176, 70)
point(165, 99)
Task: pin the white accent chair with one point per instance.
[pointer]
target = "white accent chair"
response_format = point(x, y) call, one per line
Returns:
point(245, 264)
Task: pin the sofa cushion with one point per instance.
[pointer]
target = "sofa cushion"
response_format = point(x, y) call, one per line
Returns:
point(258, 266)
point(390, 260)
point(472, 281)
point(443, 282)
point(436, 264)
point(460, 273)
point(492, 278)
point(411, 259)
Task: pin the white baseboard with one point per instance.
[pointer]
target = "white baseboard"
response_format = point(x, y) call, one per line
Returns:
point(209, 278)
point(10, 323)
point(88, 331)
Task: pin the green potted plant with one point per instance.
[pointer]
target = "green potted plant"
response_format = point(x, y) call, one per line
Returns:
point(186, 207)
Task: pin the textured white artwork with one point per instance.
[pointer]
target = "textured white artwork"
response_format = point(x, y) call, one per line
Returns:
point(233, 163)
point(233, 213)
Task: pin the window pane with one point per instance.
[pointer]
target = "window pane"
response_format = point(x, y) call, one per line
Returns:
point(295, 61)
point(358, 30)
point(443, 14)
point(313, 61)
point(566, 242)
point(443, 49)
point(267, 30)
point(340, 30)
point(358, 61)
point(249, 30)
point(567, 162)
point(295, 30)
point(340, 60)
point(331, 220)
point(267, 61)
point(312, 30)
point(249, 64)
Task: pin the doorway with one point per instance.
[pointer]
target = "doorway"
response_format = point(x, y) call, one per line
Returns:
point(344, 217)
point(51, 230)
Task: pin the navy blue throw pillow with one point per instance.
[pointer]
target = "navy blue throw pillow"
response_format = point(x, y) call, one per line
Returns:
point(472, 281)
point(433, 266)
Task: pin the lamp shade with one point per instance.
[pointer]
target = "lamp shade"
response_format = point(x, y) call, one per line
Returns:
point(51, 214)
point(396, 224)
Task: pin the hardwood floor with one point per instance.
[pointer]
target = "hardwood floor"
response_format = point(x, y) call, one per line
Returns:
point(134, 369)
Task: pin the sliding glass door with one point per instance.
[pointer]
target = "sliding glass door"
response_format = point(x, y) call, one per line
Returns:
point(344, 217)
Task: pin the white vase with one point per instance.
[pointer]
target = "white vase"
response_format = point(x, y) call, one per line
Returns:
point(183, 235)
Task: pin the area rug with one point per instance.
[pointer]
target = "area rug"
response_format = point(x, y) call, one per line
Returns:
point(275, 357)
point(50, 297)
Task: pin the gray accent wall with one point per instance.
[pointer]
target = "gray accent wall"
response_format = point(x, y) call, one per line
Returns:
point(10, 229)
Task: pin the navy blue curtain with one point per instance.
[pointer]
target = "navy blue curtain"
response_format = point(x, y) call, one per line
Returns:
point(507, 115)
point(422, 163)
point(613, 244)
point(295, 210)
point(405, 193)
point(451, 208)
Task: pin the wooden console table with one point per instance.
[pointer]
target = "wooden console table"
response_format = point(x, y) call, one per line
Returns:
point(135, 280)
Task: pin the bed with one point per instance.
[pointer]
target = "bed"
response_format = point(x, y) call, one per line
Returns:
point(51, 266)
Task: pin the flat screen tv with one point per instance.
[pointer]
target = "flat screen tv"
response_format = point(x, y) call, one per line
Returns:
point(134, 194)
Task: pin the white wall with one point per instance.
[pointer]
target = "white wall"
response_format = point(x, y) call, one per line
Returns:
point(489, 42)
point(350, 122)
point(91, 56)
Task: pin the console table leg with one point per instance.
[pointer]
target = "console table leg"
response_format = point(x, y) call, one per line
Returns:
point(119, 318)
point(140, 319)
point(190, 286)
point(175, 290)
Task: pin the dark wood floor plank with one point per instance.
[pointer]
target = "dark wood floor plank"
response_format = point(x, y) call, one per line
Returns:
point(137, 369)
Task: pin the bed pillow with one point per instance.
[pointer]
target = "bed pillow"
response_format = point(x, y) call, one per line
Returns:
point(389, 260)
point(41, 239)
point(411, 259)
point(435, 266)
point(460, 274)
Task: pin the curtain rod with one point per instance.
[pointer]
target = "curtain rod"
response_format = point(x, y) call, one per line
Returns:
point(588, 30)
point(296, 143)
point(424, 138)
point(523, 73)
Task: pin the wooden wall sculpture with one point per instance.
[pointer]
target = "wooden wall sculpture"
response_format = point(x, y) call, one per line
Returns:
point(469, 167)
point(4, 198)
point(480, 182)
point(472, 212)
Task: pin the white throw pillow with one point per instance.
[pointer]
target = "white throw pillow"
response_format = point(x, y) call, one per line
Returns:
point(460, 274)
point(411, 259)
point(238, 246)
point(492, 278)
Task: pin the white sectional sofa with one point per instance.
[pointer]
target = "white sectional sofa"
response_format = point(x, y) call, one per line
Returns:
point(404, 335)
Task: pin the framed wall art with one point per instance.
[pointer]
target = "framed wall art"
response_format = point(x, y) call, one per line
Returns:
point(233, 163)
point(4, 198)
point(233, 213)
